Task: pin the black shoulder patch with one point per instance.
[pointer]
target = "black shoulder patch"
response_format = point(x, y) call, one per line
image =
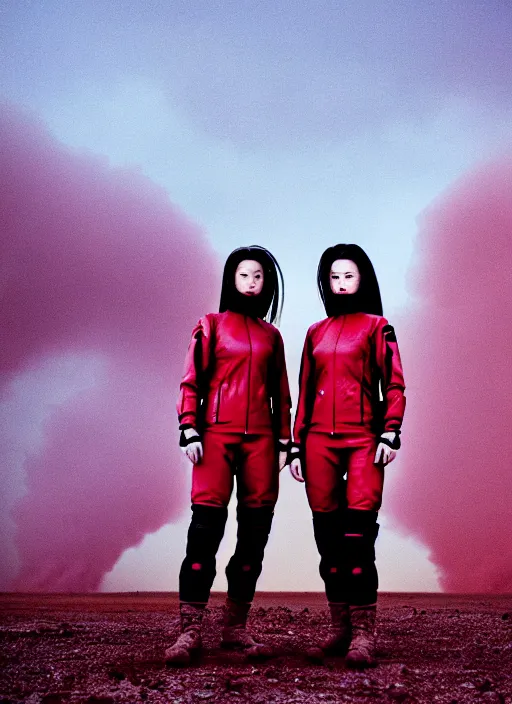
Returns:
point(198, 354)
point(389, 333)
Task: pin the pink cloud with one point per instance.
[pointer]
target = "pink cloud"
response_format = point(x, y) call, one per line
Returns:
point(455, 490)
point(96, 261)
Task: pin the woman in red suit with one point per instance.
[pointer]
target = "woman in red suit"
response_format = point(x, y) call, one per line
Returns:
point(234, 413)
point(344, 435)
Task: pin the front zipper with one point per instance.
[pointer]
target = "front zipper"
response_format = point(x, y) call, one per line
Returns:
point(217, 409)
point(249, 376)
point(334, 380)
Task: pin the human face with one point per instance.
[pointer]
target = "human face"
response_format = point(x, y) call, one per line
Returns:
point(249, 277)
point(344, 277)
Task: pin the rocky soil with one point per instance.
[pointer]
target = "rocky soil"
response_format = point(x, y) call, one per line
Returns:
point(108, 649)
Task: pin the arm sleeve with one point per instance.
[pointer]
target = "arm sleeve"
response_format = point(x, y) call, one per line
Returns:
point(389, 364)
point(197, 362)
point(306, 381)
point(281, 400)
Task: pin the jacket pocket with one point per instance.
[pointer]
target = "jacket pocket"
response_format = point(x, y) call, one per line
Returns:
point(214, 404)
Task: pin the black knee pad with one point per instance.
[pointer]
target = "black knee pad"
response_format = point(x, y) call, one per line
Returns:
point(254, 526)
point(198, 569)
point(329, 532)
point(245, 566)
point(360, 521)
point(361, 531)
point(206, 531)
point(328, 529)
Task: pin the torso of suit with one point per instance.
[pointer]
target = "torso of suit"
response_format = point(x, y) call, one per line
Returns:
point(235, 377)
point(343, 360)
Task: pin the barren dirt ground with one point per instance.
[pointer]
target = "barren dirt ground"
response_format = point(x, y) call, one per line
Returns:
point(108, 648)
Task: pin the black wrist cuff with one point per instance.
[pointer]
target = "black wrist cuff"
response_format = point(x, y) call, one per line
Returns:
point(393, 444)
point(187, 441)
point(293, 452)
point(283, 446)
point(185, 426)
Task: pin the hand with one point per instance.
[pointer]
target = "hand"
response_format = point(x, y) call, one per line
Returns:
point(296, 470)
point(194, 450)
point(385, 454)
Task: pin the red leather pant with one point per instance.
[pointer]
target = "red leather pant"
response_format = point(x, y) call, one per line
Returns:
point(251, 458)
point(328, 458)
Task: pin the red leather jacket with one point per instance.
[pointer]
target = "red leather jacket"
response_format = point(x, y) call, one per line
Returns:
point(235, 377)
point(344, 359)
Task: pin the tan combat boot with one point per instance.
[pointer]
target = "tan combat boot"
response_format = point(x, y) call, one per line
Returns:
point(338, 640)
point(189, 641)
point(362, 646)
point(235, 634)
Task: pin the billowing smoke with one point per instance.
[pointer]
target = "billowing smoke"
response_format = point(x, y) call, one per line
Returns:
point(100, 275)
point(456, 488)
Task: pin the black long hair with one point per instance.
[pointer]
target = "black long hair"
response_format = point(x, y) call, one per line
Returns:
point(366, 299)
point(269, 303)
